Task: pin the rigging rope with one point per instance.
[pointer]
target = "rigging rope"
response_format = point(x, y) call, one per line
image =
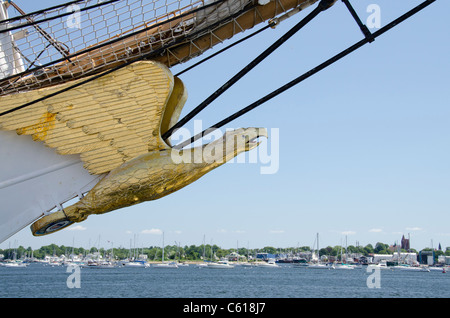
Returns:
point(270, 25)
point(323, 5)
point(140, 58)
point(64, 51)
point(108, 43)
point(367, 39)
point(32, 23)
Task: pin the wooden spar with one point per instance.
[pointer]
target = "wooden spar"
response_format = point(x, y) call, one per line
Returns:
point(248, 20)
point(134, 44)
point(153, 38)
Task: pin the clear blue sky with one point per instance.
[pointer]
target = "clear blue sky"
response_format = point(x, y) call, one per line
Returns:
point(363, 145)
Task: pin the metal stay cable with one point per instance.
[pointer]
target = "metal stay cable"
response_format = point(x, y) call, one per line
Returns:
point(323, 5)
point(367, 39)
point(32, 22)
point(270, 25)
point(142, 57)
point(119, 39)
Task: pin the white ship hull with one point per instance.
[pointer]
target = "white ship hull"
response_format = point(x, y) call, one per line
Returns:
point(35, 180)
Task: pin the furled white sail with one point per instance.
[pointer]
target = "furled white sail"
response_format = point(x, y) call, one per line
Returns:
point(10, 60)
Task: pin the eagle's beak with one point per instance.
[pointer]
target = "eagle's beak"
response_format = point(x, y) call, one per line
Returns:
point(254, 141)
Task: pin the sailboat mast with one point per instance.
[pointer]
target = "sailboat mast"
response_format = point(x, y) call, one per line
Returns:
point(204, 247)
point(163, 248)
point(318, 253)
point(346, 248)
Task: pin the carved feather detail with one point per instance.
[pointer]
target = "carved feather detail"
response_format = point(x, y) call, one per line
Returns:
point(108, 121)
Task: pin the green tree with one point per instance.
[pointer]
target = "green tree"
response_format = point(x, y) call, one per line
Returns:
point(381, 248)
point(368, 249)
point(447, 251)
point(437, 253)
point(270, 250)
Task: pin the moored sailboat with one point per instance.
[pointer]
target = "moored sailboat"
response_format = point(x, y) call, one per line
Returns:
point(269, 264)
point(220, 265)
point(315, 262)
point(168, 39)
point(164, 264)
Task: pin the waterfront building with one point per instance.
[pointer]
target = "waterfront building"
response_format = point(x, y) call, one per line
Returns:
point(376, 258)
point(265, 256)
point(426, 257)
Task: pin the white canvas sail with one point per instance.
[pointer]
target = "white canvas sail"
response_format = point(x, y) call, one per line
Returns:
point(10, 61)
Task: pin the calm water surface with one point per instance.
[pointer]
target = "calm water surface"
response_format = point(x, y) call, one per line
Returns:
point(286, 281)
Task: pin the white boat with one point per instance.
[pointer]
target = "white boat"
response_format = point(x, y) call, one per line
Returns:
point(315, 263)
point(411, 268)
point(74, 263)
point(106, 264)
point(204, 264)
point(381, 265)
point(54, 263)
point(220, 264)
point(269, 263)
point(15, 265)
point(343, 266)
point(136, 264)
point(166, 265)
point(320, 266)
point(99, 264)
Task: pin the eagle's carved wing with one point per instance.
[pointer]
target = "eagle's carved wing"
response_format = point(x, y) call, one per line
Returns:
point(108, 120)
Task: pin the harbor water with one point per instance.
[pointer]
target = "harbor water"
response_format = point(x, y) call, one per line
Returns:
point(286, 281)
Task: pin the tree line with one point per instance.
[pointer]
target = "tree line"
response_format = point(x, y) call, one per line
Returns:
point(194, 252)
